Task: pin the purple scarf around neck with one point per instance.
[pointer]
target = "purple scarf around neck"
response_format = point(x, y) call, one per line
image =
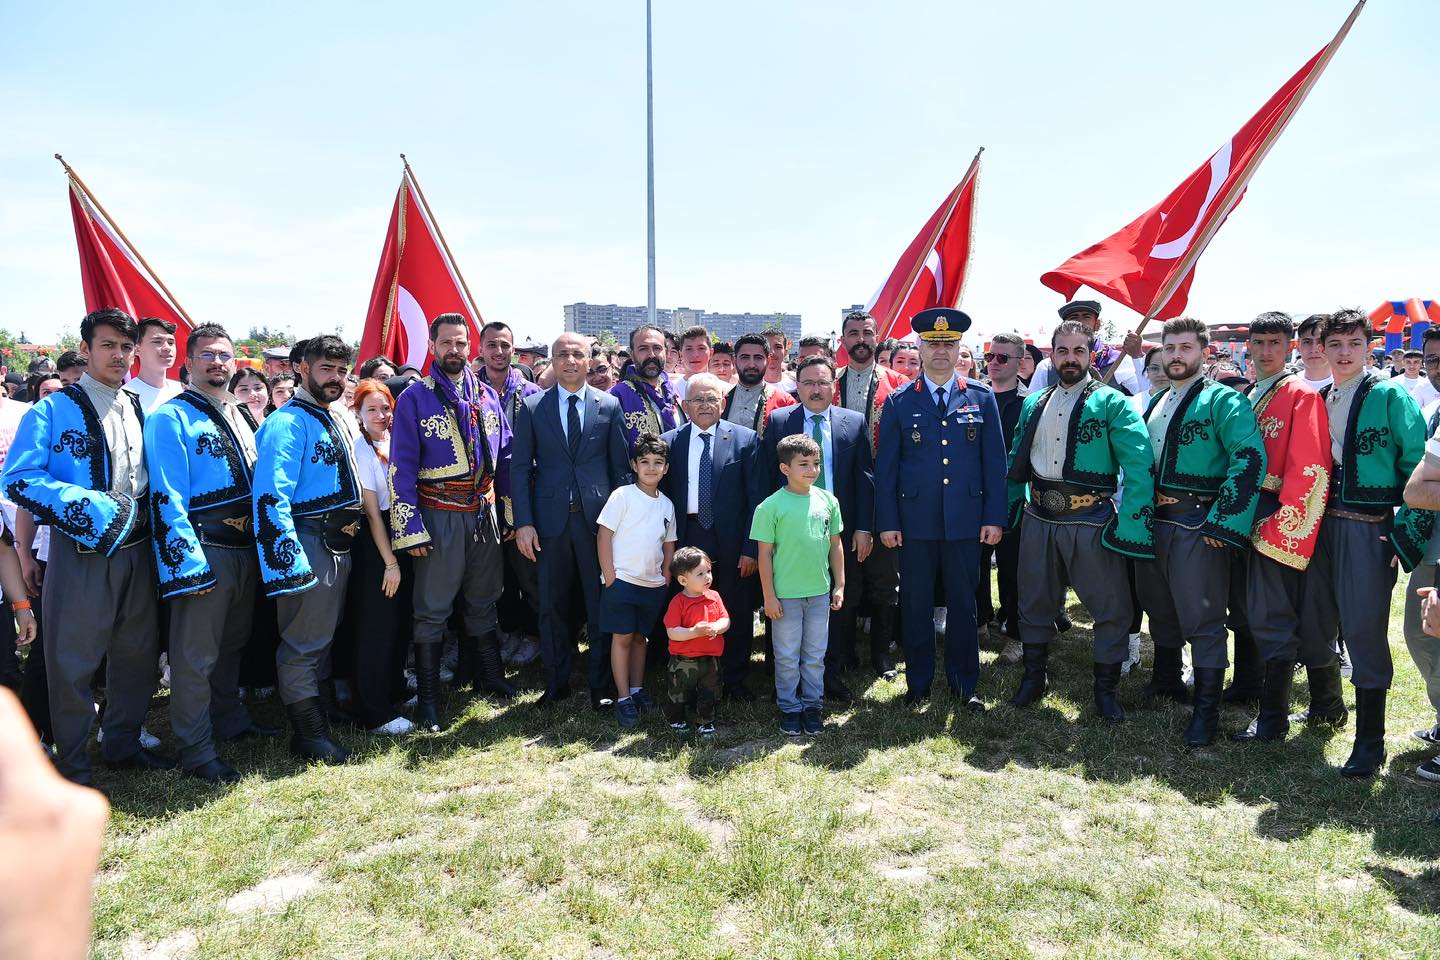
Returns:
point(465, 402)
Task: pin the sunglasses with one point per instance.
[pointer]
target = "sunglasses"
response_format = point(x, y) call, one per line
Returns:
point(999, 358)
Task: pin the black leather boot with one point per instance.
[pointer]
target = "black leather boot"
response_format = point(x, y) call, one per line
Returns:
point(310, 737)
point(1273, 721)
point(490, 677)
point(1248, 680)
point(1205, 719)
point(1107, 681)
point(1327, 698)
point(467, 663)
point(330, 703)
point(1165, 681)
point(882, 634)
point(1033, 684)
point(427, 686)
point(1368, 754)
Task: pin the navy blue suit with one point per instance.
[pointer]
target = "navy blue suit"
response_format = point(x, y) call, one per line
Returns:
point(853, 477)
point(940, 477)
point(561, 497)
point(737, 488)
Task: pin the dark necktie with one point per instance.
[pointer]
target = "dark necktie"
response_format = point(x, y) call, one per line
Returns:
point(572, 425)
point(1434, 421)
point(706, 496)
point(940, 399)
point(815, 434)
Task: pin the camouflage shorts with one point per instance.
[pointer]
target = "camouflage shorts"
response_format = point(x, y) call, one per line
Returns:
point(693, 676)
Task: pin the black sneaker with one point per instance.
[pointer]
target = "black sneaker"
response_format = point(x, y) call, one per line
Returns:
point(680, 726)
point(813, 722)
point(706, 730)
point(791, 725)
point(627, 714)
point(1429, 770)
point(1430, 735)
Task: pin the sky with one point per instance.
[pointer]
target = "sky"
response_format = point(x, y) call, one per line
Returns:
point(250, 151)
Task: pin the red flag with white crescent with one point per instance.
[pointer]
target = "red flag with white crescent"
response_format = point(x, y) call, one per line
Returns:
point(113, 275)
point(1149, 264)
point(931, 271)
point(417, 281)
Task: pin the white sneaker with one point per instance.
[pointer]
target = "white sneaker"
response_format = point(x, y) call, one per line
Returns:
point(1133, 660)
point(165, 671)
point(1013, 652)
point(394, 728)
point(148, 740)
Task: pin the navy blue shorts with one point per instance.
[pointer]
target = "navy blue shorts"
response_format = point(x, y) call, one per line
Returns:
point(627, 608)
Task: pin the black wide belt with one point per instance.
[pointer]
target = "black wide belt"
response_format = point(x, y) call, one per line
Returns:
point(1176, 503)
point(1055, 498)
point(337, 528)
point(227, 527)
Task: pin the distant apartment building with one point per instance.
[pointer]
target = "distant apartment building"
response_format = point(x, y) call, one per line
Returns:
point(595, 319)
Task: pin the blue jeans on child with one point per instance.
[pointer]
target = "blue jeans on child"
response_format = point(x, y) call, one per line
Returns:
point(800, 638)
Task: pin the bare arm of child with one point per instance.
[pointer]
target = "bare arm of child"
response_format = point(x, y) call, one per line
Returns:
point(837, 573)
point(605, 548)
point(773, 610)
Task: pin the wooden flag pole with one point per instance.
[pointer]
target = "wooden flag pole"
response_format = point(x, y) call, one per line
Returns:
point(1241, 182)
point(909, 284)
point(410, 174)
point(91, 198)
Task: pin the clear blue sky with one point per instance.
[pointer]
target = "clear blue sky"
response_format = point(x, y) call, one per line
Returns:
point(250, 151)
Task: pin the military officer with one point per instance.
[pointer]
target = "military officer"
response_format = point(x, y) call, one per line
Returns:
point(946, 428)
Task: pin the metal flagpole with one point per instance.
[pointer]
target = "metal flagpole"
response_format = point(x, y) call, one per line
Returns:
point(650, 167)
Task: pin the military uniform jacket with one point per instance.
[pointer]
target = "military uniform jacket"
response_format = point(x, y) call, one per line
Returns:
point(195, 463)
point(1384, 441)
point(940, 475)
point(1296, 431)
point(1106, 436)
point(303, 469)
point(884, 383)
point(59, 469)
point(426, 446)
point(1213, 448)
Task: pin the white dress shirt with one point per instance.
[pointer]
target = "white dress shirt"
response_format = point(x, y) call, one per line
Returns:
point(564, 397)
point(697, 446)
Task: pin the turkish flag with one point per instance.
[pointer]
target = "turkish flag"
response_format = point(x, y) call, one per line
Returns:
point(931, 271)
point(113, 276)
point(417, 281)
point(1149, 264)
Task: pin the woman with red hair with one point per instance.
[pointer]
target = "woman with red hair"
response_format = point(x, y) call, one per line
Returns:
point(377, 603)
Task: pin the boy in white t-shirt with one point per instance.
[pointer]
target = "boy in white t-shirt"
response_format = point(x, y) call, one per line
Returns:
point(635, 541)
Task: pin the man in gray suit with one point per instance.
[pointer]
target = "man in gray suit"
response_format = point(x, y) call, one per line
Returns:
point(568, 453)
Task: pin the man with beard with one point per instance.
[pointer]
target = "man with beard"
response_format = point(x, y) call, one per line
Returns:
point(1128, 361)
point(752, 400)
point(570, 451)
point(946, 429)
point(77, 464)
point(448, 439)
point(519, 607)
point(648, 402)
point(307, 512)
point(200, 448)
point(847, 470)
point(1075, 442)
point(864, 387)
point(1296, 432)
point(1377, 439)
point(1209, 464)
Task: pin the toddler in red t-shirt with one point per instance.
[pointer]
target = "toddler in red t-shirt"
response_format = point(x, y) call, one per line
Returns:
point(695, 622)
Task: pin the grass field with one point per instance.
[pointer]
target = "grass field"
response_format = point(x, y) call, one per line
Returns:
point(1040, 833)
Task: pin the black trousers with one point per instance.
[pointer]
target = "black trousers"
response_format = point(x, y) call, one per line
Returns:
point(519, 604)
point(564, 560)
point(377, 629)
point(257, 661)
point(1007, 561)
point(736, 593)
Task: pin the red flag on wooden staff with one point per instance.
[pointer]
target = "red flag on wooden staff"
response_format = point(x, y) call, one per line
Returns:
point(931, 271)
point(112, 272)
point(417, 281)
point(1149, 264)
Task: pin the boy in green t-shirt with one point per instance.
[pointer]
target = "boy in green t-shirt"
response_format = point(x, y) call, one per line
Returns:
point(797, 529)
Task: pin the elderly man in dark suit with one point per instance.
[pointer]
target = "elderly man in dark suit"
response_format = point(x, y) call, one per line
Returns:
point(568, 453)
point(715, 482)
point(847, 470)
